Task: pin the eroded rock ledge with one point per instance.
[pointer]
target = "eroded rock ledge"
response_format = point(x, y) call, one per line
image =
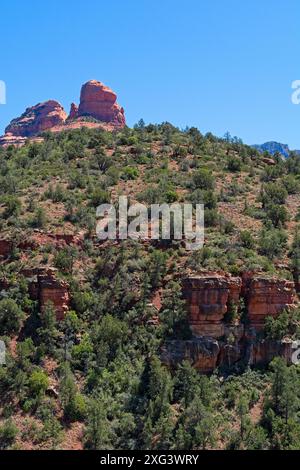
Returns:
point(218, 340)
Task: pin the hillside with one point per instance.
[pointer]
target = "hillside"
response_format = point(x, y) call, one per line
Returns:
point(129, 344)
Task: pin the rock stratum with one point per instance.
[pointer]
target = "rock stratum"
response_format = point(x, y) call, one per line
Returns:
point(98, 107)
point(226, 314)
point(217, 339)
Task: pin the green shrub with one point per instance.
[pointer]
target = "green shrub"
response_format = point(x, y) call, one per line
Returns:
point(38, 382)
point(211, 217)
point(234, 164)
point(11, 316)
point(12, 206)
point(272, 243)
point(203, 179)
point(8, 433)
point(40, 218)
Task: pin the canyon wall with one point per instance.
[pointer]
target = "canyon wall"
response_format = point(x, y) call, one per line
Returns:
point(220, 337)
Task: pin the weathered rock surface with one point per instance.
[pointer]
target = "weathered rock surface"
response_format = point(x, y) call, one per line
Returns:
point(99, 102)
point(10, 139)
point(37, 119)
point(216, 342)
point(73, 114)
point(96, 101)
point(208, 297)
point(47, 288)
point(202, 352)
point(267, 296)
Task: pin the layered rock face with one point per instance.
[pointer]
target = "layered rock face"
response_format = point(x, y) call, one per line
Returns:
point(37, 119)
point(216, 342)
point(99, 101)
point(73, 114)
point(267, 296)
point(208, 298)
point(10, 139)
point(47, 288)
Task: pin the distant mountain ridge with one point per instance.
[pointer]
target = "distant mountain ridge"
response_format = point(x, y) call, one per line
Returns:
point(275, 147)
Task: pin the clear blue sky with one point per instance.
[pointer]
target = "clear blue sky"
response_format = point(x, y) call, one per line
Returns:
point(215, 64)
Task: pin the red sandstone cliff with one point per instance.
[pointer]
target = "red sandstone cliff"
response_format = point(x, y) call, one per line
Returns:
point(37, 119)
point(45, 287)
point(215, 342)
point(99, 101)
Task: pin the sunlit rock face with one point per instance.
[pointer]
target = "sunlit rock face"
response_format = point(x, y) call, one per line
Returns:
point(267, 296)
point(208, 298)
point(99, 102)
point(37, 119)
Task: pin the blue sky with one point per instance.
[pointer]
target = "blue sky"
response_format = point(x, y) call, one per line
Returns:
point(218, 65)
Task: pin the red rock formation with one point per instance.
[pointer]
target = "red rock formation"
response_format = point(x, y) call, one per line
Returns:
point(10, 139)
point(99, 101)
point(45, 287)
point(96, 100)
point(55, 291)
point(267, 296)
point(216, 343)
point(208, 297)
point(37, 119)
point(202, 353)
point(73, 112)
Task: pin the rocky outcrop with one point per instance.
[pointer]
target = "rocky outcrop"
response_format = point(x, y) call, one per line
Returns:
point(37, 119)
point(73, 114)
point(261, 351)
point(46, 288)
point(99, 102)
point(216, 341)
point(202, 353)
point(10, 139)
point(6, 247)
point(209, 298)
point(266, 296)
